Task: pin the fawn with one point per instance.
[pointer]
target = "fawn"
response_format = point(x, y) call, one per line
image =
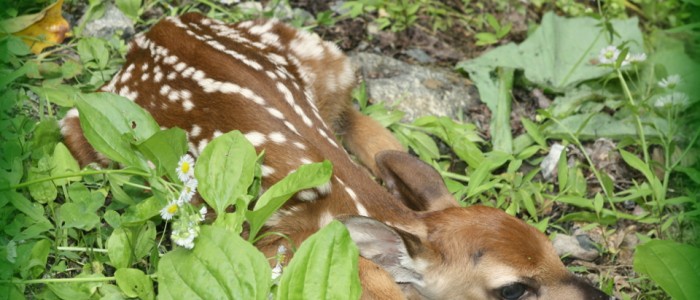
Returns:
point(289, 93)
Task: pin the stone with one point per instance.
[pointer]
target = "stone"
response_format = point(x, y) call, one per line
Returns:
point(579, 246)
point(416, 90)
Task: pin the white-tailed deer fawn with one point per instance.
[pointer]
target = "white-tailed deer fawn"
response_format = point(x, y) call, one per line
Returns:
point(289, 93)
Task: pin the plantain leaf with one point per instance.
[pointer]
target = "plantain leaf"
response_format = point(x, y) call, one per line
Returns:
point(225, 170)
point(112, 123)
point(324, 267)
point(221, 266)
point(673, 266)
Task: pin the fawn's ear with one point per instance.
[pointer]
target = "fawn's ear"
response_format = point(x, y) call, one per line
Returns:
point(390, 248)
point(418, 185)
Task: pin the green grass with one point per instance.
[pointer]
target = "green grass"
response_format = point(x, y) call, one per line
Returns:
point(96, 232)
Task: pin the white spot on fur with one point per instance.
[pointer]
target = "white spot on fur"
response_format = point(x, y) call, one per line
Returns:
point(307, 195)
point(187, 105)
point(164, 89)
point(196, 131)
point(267, 170)
point(277, 137)
point(217, 133)
point(255, 138)
point(300, 145)
point(275, 113)
point(325, 188)
point(202, 144)
point(291, 127)
point(324, 219)
point(306, 161)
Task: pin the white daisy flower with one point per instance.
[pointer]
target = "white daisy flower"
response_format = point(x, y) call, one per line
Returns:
point(670, 82)
point(188, 191)
point(184, 238)
point(203, 212)
point(608, 55)
point(637, 57)
point(185, 168)
point(672, 99)
point(277, 271)
point(169, 210)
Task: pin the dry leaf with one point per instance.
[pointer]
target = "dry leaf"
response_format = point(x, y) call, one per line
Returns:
point(44, 29)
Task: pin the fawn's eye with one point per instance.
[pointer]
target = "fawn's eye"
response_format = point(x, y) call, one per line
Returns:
point(513, 291)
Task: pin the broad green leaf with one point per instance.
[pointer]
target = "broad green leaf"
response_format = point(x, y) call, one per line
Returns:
point(130, 244)
point(93, 50)
point(134, 283)
point(43, 191)
point(673, 266)
point(36, 264)
point(307, 176)
point(324, 267)
point(130, 8)
point(33, 210)
point(76, 291)
point(501, 136)
point(112, 218)
point(557, 54)
point(63, 95)
point(112, 124)
point(598, 202)
point(164, 149)
point(221, 266)
point(116, 181)
point(144, 210)
point(145, 240)
point(225, 170)
point(63, 163)
point(81, 212)
point(119, 248)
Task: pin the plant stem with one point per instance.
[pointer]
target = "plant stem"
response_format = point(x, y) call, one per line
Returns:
point(82, 249)
point(96, 172)
point(66, 280)
point(638, 121)
point(596, 173)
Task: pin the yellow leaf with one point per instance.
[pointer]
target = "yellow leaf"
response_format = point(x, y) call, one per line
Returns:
point(49, 28)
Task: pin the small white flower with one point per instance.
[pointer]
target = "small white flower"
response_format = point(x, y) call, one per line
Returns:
point(277, 271)
point(185, 168)
point(637, 57)
point(184, 238)
point(608, 55)
point(670, 82)
point(202, 213)
point(188, 191)
point(169, 210)
point(672, 99)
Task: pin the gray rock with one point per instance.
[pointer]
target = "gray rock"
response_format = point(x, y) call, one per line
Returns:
point(418, 91)
point(579, 246)
point(111, 23)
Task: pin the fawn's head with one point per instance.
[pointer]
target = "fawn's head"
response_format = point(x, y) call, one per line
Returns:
point(444, 251)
